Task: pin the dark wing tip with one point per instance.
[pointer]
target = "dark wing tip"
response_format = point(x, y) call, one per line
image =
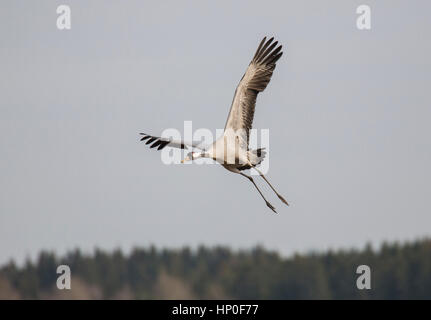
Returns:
point(155, 144)
point(266, 52)
point(272, 57)
point(162, 145)
point(158, 142)
point(145, 138)
point(152, 139)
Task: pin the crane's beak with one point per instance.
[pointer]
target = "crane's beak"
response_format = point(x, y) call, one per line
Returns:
point(185, 159)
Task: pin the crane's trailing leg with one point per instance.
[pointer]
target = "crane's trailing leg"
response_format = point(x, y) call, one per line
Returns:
point(278, 195)
point(267, 202)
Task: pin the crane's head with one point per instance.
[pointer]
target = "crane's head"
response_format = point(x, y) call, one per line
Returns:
point(191, 156)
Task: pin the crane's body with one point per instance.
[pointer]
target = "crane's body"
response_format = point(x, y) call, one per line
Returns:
point(231, 149)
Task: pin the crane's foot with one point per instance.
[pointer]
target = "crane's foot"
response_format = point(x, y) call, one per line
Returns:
point(282, 199)
point(271, 206)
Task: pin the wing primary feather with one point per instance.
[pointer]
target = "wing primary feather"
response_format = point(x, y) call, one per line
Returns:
point(262, 50)
point(268, 59)
point(155, 144)
point(145, 138)
point(267, 51)
point(258, 48)
point(151, 140)
point(275, 58)
point(162, 145)
point(271, 61)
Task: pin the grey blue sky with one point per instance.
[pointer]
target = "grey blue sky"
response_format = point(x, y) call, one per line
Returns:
point(348, 111)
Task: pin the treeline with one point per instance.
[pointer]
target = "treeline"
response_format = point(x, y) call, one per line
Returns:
point(397, 272)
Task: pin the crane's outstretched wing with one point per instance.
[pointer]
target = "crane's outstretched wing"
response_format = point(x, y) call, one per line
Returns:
point(255, 80)
point(164, 142)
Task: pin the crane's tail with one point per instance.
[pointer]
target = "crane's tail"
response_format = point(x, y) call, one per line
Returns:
point(256, 156)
